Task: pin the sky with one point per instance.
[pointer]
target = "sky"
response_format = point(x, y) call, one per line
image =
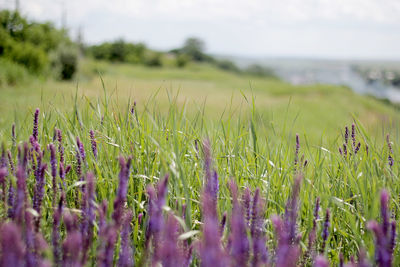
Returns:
point(332, 29)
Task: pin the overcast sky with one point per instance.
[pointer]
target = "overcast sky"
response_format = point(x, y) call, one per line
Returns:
point(349, 29)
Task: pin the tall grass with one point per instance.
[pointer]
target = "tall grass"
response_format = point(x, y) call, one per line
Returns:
point(243, 149)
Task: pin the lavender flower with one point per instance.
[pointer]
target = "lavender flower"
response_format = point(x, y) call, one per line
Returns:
point(156, 203)
point(346, 135)
point(35, 124)
point(13, 136)
point(10, 161)
point(296, 157)
point(60, 145)
point(260, 254)
point(345, 149)
point(88, 216)
point(3, 175)
point(384, 234)
point(325, 231)
point(126, 251)
point(105, 258)
point(246, 204)
point(93, 143)
point(321, 261)
point(239, 242)
point(169, 253)
point(288, 250)
point(11, 246)
point(55, 238)
point(390, 158)
point(53, 164)
point(81, 149)
point(357, 148)
point(353, 135)
point(122, 189)
point(21, 196)
point(313, 232)
point(72, 245)
point(39, 193)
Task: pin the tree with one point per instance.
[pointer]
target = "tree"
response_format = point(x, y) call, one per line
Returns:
point(194, 48)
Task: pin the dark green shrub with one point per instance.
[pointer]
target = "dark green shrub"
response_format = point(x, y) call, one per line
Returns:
point(227, 65)
point(65, 62)
point(28, 55)
point(182, 60)
point(153, 59)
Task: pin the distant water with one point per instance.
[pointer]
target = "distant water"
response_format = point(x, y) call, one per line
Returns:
point(302, 71)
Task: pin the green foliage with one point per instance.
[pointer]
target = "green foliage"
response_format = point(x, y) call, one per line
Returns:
point(153, 59)
point(65, 62)
point(194, 48)
point(11, 73)
point(182, 60)
point(119, 51)
point(28, 43)
point(227, 65)
point(261, 71)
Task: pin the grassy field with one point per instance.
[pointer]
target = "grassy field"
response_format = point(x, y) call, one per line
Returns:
point(319, 110)
point(251, 124)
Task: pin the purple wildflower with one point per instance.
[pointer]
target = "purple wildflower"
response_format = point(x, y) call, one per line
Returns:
point(313, 232)
point(325, 230)
point(156, 203)
point(260, 254)
point(21, 196)
point(88, 216)
point(78, 164)
point(390, 158)
point(72, 245)
point(13, 136)
point(288, 249)
point(120, 200)
point(35, 124)
point(211, 179)
point(357, 148)
point(126, 251)
point(346, 135)
point(105, 257)
point(55, 238)
point(169, 253)
point(81, 149)
point(345, 149)
point(246, 204)
point(384, 234)
point(239, 241)
point(39, 194)
point(321, 261)
point(3, 175)
point(140, 218)
point(11, 246)
point(296, 157)
point(60, 145)
point(93, 143)
point(10, 161)
point(53, 165)
point(353, 135)
point(223, 223)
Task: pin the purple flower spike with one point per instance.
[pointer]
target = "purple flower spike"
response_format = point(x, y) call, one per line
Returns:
point(313, 232)
point(390, 157)
point(13, 136)
point(3, 175)
point(35, 124)
point(357, 148)
point(105, 258)
point(223, 223)
point(385, 234)
point(88, 215)
point(346, 135)
point(60, 145)
point(81, 149)
point(246, 204)
point(39, 194)
point(321, 261)
point(170, 254)
point(126, 251)
point(120, 200)
point(11, 246)
point(353, 135)
point(156, 203)
point(239, 241)
point(325, 231)
point(296, 157)
point(384, 211)
point(21, 195)
point(260, 254)
point(53, 164)
point(93, 143)
point(55, 238)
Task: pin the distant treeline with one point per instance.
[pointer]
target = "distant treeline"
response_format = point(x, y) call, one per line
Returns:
point(191, 51)
point(30, 48)
point(35, 48)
